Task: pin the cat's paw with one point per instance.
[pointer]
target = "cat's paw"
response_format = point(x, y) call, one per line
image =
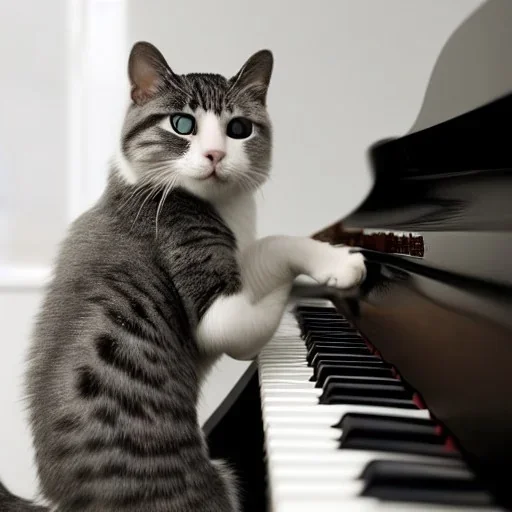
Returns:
point(340, 268)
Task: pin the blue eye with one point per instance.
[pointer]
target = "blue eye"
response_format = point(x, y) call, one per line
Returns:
point(184, 124)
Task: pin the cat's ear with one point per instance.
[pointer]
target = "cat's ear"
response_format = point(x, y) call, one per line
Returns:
point(255, 75)
point(148, 71)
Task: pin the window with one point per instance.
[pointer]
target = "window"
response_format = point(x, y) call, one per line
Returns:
point(61, 105)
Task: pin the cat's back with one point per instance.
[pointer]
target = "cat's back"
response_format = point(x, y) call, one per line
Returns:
point(106, 277)
point(78, 301)
point(112, 375)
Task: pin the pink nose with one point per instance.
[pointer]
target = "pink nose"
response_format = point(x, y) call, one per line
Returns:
point(215, 156)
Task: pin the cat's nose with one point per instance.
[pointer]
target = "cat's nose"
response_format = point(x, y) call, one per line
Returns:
point(215, 156)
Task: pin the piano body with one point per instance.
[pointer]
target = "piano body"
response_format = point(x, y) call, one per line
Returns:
point(397, 396)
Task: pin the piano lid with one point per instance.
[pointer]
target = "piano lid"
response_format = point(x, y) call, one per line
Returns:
point(467, 100)
point(472, 68)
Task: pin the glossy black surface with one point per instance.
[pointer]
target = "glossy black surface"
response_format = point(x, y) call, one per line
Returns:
point(234, 433)
point(453, 176)
point(445, 319)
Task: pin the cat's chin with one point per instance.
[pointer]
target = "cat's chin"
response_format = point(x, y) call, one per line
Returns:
point(210, 188)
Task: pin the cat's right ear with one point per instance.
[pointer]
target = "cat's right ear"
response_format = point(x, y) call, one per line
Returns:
point(148, 71)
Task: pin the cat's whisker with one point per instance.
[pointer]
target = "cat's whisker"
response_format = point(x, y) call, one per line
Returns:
point(152, 191)
point(165, 193)
point(247, 185)
point(138, 190)
point(158, 164)
point(250, 181)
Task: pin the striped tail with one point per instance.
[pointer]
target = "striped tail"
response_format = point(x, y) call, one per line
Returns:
point(11, 503)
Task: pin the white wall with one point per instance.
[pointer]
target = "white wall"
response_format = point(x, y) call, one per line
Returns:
point(33, 101)
point(33, 153)
point(346, 74)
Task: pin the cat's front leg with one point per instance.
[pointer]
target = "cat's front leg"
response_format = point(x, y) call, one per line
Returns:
point(239, 327)
point(277, 260)
point(242, 323)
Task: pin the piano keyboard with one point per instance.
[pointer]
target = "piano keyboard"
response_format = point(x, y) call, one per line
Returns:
point(343, 432)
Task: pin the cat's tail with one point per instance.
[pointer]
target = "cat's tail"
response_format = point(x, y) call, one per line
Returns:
point(11, 503)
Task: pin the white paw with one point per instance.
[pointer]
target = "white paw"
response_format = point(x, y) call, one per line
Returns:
point(339, 268)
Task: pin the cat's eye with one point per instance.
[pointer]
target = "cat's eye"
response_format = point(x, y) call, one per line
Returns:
point(239, 128)
point(184, 124)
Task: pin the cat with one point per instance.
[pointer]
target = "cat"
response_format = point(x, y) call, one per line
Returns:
point(151, 286)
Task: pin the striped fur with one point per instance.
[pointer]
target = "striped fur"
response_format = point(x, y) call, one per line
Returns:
point(115, 369)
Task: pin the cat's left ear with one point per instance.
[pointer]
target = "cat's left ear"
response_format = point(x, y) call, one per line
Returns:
point(255, 75)
point(148, 71)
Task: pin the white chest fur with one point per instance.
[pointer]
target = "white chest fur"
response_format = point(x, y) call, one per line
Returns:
point(239, 213)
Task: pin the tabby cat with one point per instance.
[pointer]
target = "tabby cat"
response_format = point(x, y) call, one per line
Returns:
point(155, 282)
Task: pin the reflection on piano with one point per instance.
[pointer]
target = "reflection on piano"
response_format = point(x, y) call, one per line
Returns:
point(397, 398)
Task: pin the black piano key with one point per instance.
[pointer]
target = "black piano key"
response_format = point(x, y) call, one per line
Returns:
point(321, 319)
point(307, 308)
point(351, 416)
point(419, 429)
point(397, 403)
point(342, 379)
point(340, 349)
point(399, 446)
point(332, 338)
point(345, 358)
point(348, 342)
point(338, 343)
point(331, 335)
point(325, 328)
point(401, 435)
point(324, 370)
point(352, 340)
point(330, 384)
point(372, 390)
point(310, 340)
point(339, 331)
point(319, 337)
point(331, 346)
point(402, 481)
point(324, 322)
point(315, 309)
point(350, 334)
point(302, 321)
point(318, 312)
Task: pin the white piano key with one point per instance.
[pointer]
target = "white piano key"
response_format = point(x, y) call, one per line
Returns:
point(335, 412)
point(331, 468)
point(360, 504)
point(351, 462)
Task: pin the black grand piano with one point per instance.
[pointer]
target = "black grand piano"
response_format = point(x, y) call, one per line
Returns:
point(397, 396)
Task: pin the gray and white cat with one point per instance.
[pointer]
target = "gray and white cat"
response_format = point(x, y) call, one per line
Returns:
point(155, 282)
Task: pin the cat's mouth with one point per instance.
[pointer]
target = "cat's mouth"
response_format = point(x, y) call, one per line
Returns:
point(214, 176)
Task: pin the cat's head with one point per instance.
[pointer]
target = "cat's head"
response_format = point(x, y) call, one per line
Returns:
point(203, 132)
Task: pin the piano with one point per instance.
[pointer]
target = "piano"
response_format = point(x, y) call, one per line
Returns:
point(397, 396)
